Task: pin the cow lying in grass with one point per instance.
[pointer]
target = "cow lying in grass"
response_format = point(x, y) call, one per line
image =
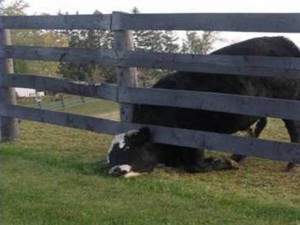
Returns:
point(132, 153)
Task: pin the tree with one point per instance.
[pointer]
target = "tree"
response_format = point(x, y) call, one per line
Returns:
point(147, 40)
point(154, 41)
point(170, 42)
point(16, 8)
point(88, 72)
point(144, 40)
point(31, 38)
point(199, 44)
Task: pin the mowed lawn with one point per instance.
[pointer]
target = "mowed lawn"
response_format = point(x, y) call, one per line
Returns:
point(55, 175)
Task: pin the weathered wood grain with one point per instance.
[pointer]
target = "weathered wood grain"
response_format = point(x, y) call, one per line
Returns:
point(283, 67)
point(126, 76)
point(247, 105)
point(181, 137)
point(103, 90)
point(9, 126)
point(63, 119)
point(70, 22)
point(221, 142)
point(248, 22)
point(123, 57)
point(245, 22)
point(76, 55)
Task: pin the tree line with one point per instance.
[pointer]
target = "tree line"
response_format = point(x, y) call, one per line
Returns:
point(146, 40)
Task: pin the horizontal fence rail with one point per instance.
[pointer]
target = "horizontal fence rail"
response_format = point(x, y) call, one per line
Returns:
point(247, 105)
point(75, 55)
point(103, 90)
point(69, 22)
point(63, 119)
point(284, 67)
point(245, 22)
point(181, 137)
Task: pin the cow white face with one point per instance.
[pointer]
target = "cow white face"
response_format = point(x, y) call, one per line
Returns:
point(128, 155)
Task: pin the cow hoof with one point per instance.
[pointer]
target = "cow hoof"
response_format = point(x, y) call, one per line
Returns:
point(233, 164)
point(238, 158)
point(289, 167)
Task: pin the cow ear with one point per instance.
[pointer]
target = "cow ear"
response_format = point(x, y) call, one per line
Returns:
point(144, 134)
point(137, 137)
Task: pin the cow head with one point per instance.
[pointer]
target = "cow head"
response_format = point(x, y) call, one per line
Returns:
point(129, 156)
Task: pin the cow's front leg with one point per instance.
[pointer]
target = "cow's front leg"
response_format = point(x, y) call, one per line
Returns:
point(260, 125)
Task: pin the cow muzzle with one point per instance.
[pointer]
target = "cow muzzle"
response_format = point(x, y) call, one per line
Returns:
point(123, 171)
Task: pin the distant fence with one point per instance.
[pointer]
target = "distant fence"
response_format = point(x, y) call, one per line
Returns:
point(57, 102)
point(126, 93)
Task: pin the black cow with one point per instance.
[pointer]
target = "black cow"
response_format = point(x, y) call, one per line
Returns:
point(133, 153)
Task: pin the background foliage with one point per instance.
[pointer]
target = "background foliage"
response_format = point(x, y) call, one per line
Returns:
point(157, 41)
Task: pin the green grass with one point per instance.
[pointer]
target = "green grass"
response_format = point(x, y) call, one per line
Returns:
point(55, 175)
point(95, 107)
point(73, 104)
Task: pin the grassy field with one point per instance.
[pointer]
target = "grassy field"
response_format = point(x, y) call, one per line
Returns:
point(54, 175)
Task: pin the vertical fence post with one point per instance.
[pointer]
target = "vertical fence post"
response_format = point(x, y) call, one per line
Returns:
point(1, 76)
point(62, 102)
point(9, 126)
point(126, 76)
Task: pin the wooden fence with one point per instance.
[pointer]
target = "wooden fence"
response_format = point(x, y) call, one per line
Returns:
point(126, 93)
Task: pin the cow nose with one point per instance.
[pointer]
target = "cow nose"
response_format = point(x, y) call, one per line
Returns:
point(117, 171)
point(120, 170)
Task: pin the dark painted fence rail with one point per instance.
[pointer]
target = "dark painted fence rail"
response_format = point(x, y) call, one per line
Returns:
point(246, 22)
point(287, 67)
point(182, 137)
point(45, 22)
point(103, 90)
point(248, 105)
point(124, 58)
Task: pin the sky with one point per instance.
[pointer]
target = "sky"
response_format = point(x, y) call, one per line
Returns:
point(172, 6)
point(162, 6)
